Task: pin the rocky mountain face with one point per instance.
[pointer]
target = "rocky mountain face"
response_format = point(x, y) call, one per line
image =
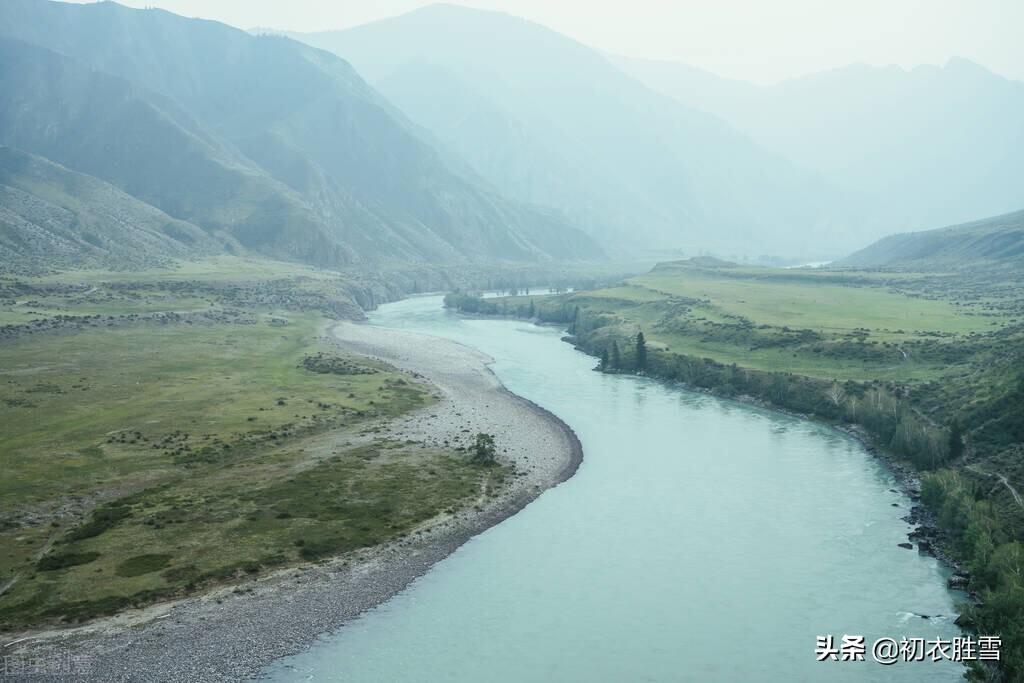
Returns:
point(259, 141)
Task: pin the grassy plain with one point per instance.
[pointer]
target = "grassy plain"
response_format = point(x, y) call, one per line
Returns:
point(175, 438)
point(172, 390)
point(781, 299)
point(221, 268)
point(824, 324)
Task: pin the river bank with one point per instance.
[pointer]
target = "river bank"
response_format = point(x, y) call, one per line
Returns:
point(233, 632)
point(887, 428)
point(926, 535)
point(691, 509)
point(926, 532)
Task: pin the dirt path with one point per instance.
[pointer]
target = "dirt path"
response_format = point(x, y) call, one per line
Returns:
point(1002, 480)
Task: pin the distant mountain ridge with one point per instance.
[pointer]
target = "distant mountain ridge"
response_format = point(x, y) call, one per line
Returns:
point(918, 147)
point(279, 147)
point(102, 125)
point(481, 136)
point(551, 121)
point(996, 241)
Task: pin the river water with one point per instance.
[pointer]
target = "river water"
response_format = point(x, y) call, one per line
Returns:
point(701, 539)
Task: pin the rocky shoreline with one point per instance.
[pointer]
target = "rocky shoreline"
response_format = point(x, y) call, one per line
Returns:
point(233, 632)
point(927, 536)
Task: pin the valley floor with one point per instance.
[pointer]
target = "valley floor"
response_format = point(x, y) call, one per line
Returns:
point(232, 632)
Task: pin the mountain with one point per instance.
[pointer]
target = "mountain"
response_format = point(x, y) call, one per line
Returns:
point(282, 147)
point(147, 146)
point(551, 121)
point(920, 147)
point(997, 241)
point(51, 217)
point(694, 87)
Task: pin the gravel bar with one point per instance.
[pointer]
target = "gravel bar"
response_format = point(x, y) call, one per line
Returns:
point(232, 632)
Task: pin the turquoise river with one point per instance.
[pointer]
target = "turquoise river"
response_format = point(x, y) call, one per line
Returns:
point(701, 540)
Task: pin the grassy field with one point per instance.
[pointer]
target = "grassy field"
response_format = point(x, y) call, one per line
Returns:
point(775, 299)
point(824, 324)
point(145, 456)
point(227, 269)
point(91, 401)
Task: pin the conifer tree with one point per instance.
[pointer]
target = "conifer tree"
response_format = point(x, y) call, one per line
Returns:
point(956, 440)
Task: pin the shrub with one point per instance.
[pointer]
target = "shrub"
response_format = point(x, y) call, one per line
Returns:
point(484, 451)
point(316, 549)
point(103, 518)
point(143, 564)
point(63, 560)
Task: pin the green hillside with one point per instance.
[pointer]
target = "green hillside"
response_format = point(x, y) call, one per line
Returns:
point(998, 240)
point(278, 145)
point(51, 217)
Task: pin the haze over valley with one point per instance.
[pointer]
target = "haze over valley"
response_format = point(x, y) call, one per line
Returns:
point(701, 376)
point(473, 119)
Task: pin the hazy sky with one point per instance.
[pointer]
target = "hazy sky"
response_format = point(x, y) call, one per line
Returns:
point(755, 40)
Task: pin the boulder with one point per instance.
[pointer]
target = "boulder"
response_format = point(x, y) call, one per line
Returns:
point(959, 581)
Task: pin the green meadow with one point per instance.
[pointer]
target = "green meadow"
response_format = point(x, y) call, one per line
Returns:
point(147, 457)
point(825, 324)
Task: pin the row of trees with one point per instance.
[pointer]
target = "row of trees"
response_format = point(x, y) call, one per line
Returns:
point(889, 419)
point(613, 361)
point(993, 556)
point(478, 305)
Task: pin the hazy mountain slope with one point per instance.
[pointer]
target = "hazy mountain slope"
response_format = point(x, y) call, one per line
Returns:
point(998, 241)
point(104, 126)
point(499, 147)
point(51, 217)
point(329, 171)
point(690, 85)
point(922, 147)
point(552, 121)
